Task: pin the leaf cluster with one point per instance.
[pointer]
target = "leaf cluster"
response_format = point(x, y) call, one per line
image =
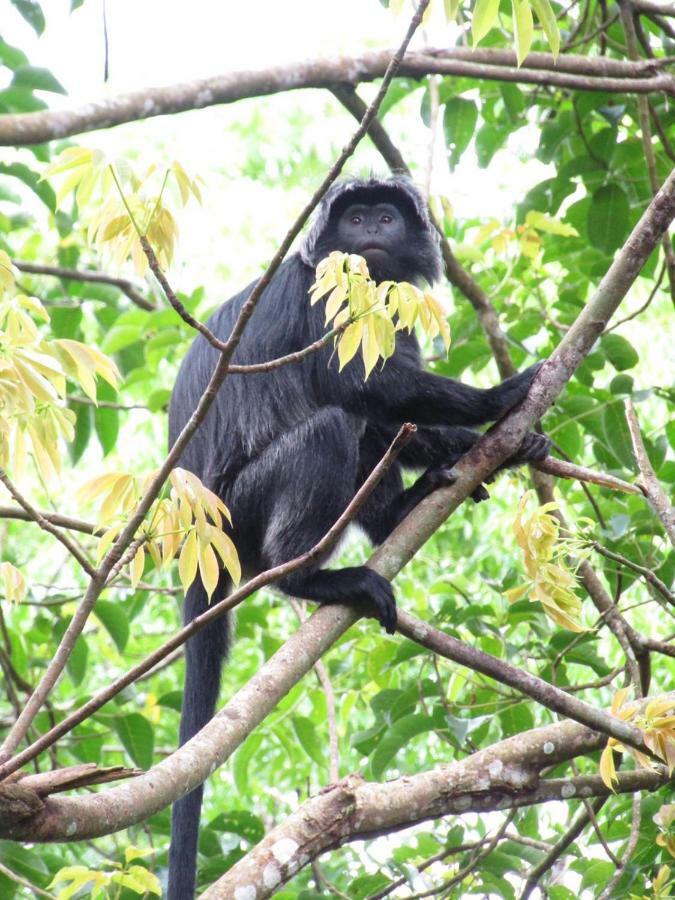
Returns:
point(375, 312)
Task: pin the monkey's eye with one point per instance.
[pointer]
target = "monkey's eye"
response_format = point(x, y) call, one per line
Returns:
point(355, 220)
point(386, 220)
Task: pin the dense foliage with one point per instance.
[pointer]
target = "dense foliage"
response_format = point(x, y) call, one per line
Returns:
point(399, 708)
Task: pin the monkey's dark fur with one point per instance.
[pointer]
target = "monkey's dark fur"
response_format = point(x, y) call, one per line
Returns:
point(287, 449)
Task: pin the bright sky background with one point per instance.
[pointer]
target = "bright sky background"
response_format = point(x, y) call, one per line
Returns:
point(153, 42)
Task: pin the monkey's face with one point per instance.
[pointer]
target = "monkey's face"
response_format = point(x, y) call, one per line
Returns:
point(378, 233)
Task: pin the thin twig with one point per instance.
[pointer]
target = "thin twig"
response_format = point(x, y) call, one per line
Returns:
point(562, 469)
point(646, 573)
point(104, 404)
point(17, 879)
point(12, 512)
point(123, 284)
point(421, 867)
point(471, 866)
point(655, 493)
point(628, 852)
point(36, 516)
point(641, 309)
point(558, 849)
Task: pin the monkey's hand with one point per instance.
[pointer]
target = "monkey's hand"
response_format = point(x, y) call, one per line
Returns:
point(534, 448)
point(513, 390)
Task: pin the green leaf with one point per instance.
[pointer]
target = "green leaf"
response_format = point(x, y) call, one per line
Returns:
point(397, 736)
point(459, 122)
point(241, 761)
point(548, 22)
point(309, 739)
point(24, 862)
point(617, 436)
point(608, 218)
point(120, 336)
point(489, 139)
point(516, 719)
point(619, 352)
point(137, 737)
point(36, 79)
point(172, 700)
point(241, 822)
point(31, 11)
point(77, 661)
point(32, 179)
point(366, 885)
point(523, 28)
point(106, 420)
point(12, 57)
point(84, 418)
point(485, 14)
point(514, 101)
point(114, 620)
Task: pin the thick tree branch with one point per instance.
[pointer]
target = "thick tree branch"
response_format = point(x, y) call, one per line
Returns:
point(353, 810)
point(572, 72)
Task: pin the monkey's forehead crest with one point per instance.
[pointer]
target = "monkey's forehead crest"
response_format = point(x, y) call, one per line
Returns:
point(398, 189)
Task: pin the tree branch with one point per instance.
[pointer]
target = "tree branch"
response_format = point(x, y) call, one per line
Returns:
point(127, 287)
point(353, 810)
point(655, 493)
point(572, 72)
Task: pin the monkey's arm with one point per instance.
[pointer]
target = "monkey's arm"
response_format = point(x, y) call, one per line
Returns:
point(400, 391)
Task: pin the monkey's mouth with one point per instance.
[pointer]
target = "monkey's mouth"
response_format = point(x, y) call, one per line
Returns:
point(370, 248)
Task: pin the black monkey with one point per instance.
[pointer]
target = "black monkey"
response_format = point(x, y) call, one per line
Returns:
point(287, 449)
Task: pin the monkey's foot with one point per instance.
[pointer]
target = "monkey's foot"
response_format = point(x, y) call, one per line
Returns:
point(373, 595)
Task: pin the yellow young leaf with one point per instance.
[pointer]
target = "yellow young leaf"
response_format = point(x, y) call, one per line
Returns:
point(227, 552)
point(517, 593)
point(549, 23)
point(208, 566)
point(14, 582)
point(370, 349)
point(137, 566)
point(523, 28)
point(106, 541)
point(335, 301)
point(187, 561)
point(48, 464)
point(607, 768)
point(484, 17)
point(349, 343)
point(7, 272)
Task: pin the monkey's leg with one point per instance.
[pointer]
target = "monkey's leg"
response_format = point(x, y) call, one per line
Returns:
point(390, 502)
point(301, 484)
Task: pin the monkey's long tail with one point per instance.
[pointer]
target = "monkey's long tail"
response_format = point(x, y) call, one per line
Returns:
point(204, 655)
